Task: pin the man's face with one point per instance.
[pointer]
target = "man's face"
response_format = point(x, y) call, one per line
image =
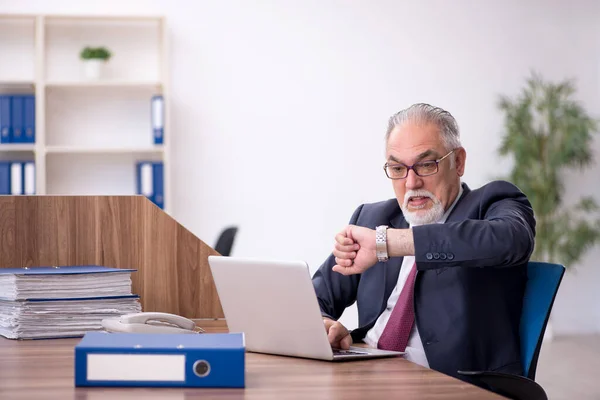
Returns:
point(424, 199)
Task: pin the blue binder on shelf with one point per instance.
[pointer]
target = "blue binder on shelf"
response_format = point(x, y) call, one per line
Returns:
point(158, 118)
point(5, 120)
point(29, 118)
point(4, 177)
point(17, 105)
point(161, 360)
point(17, 177)
point(150, 181)
point(159, 193)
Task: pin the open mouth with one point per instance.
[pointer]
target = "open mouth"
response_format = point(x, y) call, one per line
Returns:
point(418, 201)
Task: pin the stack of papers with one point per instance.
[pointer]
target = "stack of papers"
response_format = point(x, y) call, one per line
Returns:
point(51, 302)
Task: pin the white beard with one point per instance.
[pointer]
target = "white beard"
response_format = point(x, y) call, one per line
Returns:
point(420, 216)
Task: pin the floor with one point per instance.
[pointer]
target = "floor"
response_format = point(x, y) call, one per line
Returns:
point(569, 368)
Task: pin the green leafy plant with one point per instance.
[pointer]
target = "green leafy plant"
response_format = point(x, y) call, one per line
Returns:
point(548, 133)
point(95, 53)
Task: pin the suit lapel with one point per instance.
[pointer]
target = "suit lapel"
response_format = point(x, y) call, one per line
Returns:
point(457, 214)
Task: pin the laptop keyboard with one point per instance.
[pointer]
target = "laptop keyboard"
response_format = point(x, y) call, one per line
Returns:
point(339, 352)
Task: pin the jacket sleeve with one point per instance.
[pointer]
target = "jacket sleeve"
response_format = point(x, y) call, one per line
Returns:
point(335, 292)
point(503, 236)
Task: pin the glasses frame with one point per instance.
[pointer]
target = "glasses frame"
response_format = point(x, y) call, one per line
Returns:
point(409, 167)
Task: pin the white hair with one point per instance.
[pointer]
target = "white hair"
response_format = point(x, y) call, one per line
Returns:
point(426, 113)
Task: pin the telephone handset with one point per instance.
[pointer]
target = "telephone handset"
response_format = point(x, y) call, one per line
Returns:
point(150, 322)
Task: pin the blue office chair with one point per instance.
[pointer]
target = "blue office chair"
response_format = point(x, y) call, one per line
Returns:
point(543, 280)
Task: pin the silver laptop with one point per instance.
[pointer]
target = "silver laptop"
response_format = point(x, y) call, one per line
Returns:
point(275, 305)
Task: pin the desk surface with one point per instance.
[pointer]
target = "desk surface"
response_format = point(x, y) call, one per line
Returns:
point(43, 369)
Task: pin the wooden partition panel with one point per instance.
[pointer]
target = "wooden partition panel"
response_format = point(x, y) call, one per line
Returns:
point(116, 231)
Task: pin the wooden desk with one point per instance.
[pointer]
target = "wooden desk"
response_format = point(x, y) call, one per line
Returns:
point(44, 369)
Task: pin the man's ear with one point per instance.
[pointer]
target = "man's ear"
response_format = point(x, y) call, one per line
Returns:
point(461, 158)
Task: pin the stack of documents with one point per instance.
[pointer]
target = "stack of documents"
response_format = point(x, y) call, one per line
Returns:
point(51, 302)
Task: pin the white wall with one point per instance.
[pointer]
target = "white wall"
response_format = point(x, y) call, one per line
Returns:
point(279, 107)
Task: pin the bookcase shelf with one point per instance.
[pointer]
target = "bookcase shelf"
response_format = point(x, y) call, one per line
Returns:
point(17, 155)
point(115, 84)
point(100, 150)
point(16, 147)
point(89, 134)
point(16, 83)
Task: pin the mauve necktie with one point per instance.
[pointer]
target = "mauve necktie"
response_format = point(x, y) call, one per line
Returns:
point(397, 330)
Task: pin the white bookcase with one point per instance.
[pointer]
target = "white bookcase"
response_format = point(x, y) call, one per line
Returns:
point(89, 133)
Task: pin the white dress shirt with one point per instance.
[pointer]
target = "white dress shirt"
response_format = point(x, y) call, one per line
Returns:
point(414, 348)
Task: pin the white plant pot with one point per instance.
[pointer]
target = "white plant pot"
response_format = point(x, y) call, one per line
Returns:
point(92, 69)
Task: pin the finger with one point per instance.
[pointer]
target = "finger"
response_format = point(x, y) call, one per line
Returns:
point(346, 342)
point(343, 255)
point(339, 334)
point(333, 335)
point(345, 270)
point(348, 232)
point(343, 240)
point(327, 323)
point(346, 248)
point(343, 262)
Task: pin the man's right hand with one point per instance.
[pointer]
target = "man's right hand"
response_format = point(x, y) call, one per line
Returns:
point(354, 250)
point(338, 335)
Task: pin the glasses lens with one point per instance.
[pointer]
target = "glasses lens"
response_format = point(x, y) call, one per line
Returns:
point(426, 168)
point(396, 171)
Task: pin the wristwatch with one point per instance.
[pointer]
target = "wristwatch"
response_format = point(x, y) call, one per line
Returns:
point(381, 243)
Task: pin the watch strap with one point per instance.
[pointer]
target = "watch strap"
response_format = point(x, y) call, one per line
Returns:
point(381, 243)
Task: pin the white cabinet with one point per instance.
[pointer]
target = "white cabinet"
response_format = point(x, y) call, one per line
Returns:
point(89, 133)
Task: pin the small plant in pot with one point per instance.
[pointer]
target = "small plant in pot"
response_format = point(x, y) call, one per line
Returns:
point(94, 59)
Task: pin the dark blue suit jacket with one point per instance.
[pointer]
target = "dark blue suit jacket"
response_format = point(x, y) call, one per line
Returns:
point(471, 274)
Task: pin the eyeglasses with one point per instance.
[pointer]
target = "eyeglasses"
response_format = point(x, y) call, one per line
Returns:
point(422, 168)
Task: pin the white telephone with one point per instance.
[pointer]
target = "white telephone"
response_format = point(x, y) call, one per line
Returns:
point(150, 322)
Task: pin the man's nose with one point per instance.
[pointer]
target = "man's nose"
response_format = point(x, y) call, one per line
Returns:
point(413, 181)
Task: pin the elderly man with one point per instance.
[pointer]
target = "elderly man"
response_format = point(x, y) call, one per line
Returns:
point(439, 271)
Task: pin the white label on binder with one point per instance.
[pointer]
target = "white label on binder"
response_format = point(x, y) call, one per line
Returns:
point(16, 177)
point(147, 186)
point(157, 112)
point(29, 178)
point(136, 367)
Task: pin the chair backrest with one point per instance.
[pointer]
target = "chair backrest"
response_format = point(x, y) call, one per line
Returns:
point(543, 280)
point(225, 241)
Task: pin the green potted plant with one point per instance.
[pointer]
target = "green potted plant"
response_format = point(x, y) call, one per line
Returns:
point(94, 59)
point(548, 133)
